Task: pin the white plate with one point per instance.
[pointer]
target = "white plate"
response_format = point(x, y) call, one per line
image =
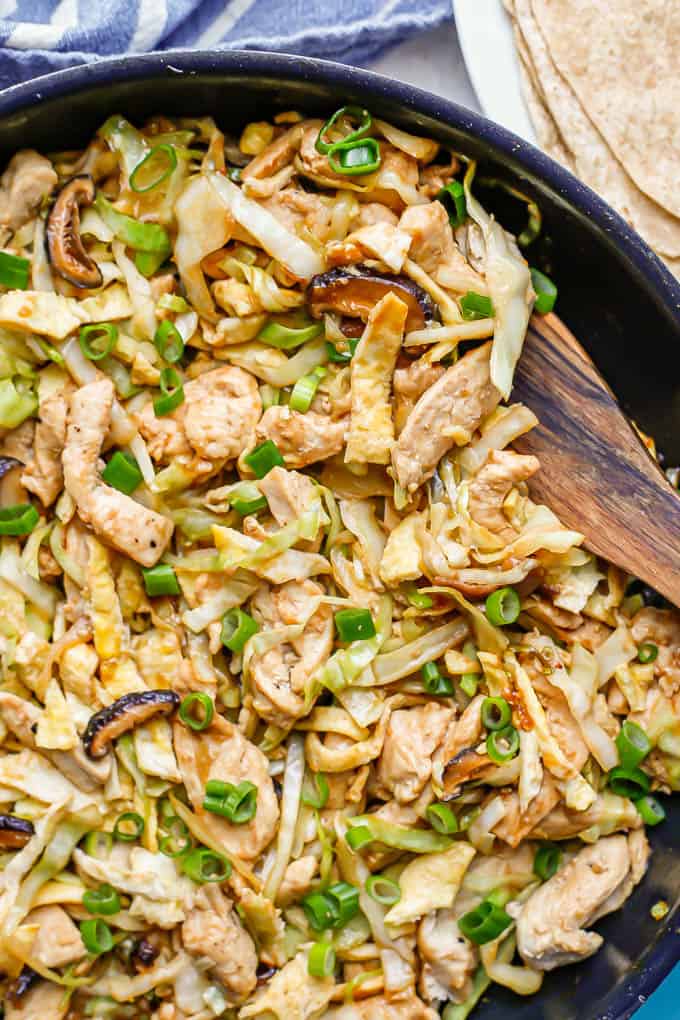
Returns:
point(485, 35)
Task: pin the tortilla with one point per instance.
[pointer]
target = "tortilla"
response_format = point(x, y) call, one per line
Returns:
point(594, 161)
point(547, 130)
point(622, 60)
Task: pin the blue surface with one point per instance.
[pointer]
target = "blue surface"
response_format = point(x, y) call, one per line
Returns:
point(599, 989)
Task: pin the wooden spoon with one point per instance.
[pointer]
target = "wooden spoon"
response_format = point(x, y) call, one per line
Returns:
point(596, 474)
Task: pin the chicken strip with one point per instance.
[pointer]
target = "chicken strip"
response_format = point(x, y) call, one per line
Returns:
point(222, 752)
point(434, 248)
point(410, 380)
point(550, 925)
point(44, 474)
point(279, 675)
point(490, 486)
point(449, 959)
point(212, 930)
point(57, 941)
point(413, 735)
point(44, 1001)
point(288, 494)
point(371, 431)
point(28, 179)
point(446, 415)
point(301, 438)
point(133, 529)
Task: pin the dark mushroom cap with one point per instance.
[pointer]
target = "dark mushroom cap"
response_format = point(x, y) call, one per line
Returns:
point(8, 464)
point(124, 714)
point(14, 832)
point(465, 766)
point(355, 290)
point(144, 954)
point(64, 245)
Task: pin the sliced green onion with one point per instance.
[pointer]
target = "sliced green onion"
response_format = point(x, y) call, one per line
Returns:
point(442, 819)
point(121, 830)
point(147, 262)
point(318, 798)
point(546, 292)
point(648, 652)
point(469, 682)
point(359, 157)
point(96, 936)
point(345, 900)
point(173, 303)
point(502, 745)
point(633, 744)
point(172, 392)
point(342, 356)
point(434, 682)
point(160, 580)
point(503, 607)
point(14, 271)
point(319, 910)
point(286, 337)
point(416, 599)
point(241, 803)
point(547, 861)
point(168, 341)
point(496, 713)
point(98, 844)
point(485, 923)
point(217, 788)
point(18, 520)
point(234, 174)
point(270, 396)
point(356, 113)
point(197, 710)
point(305, 389)
point(321, 960)
point(476, 306)
point(178, 839)
point(359, 836)
point(452, 197)
point(237, 628)
point(155, 168)
point(263, 458)
point(354, 624)
point(383, 890)
point(651, 811)
point(203, 865)
point(632, 783)
point(104, 900)
point(98, 340)
point(122, 473)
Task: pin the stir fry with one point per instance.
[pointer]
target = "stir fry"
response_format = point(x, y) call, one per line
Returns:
point(307, 709)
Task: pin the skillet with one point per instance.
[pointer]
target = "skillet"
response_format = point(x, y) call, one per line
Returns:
point(615, 295)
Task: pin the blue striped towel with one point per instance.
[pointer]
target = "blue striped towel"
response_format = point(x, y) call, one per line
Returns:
point(38, 36)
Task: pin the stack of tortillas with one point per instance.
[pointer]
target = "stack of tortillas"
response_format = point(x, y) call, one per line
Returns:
point(602, 83)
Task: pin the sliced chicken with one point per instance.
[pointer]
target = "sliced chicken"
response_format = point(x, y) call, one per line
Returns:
point(275, 156)
point(409, 382)
point(434, 248)
point(312, 163)
point(302, 439)
point(662, 628)
point(291, 994)
point(449, 959)
point(492, 484)
point(413, 735)
point(463, 734)
point(44, 474)
point(297, 880)
point(128, 526)
point(551, 924)
point(44, 1001)
point(214, 424)
point(410, 1007)
point(446, 415)
point(222, 752)
point(212, 930)
point(370, 213)
point(609, 813)
point(28, 179)
point(302, 212)
point(371, 431)
point(288, 493)
point(57, 941)
point(515, 825)
point(279, 675)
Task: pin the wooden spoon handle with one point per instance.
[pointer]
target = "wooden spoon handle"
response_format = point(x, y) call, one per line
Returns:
point(595, 472)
